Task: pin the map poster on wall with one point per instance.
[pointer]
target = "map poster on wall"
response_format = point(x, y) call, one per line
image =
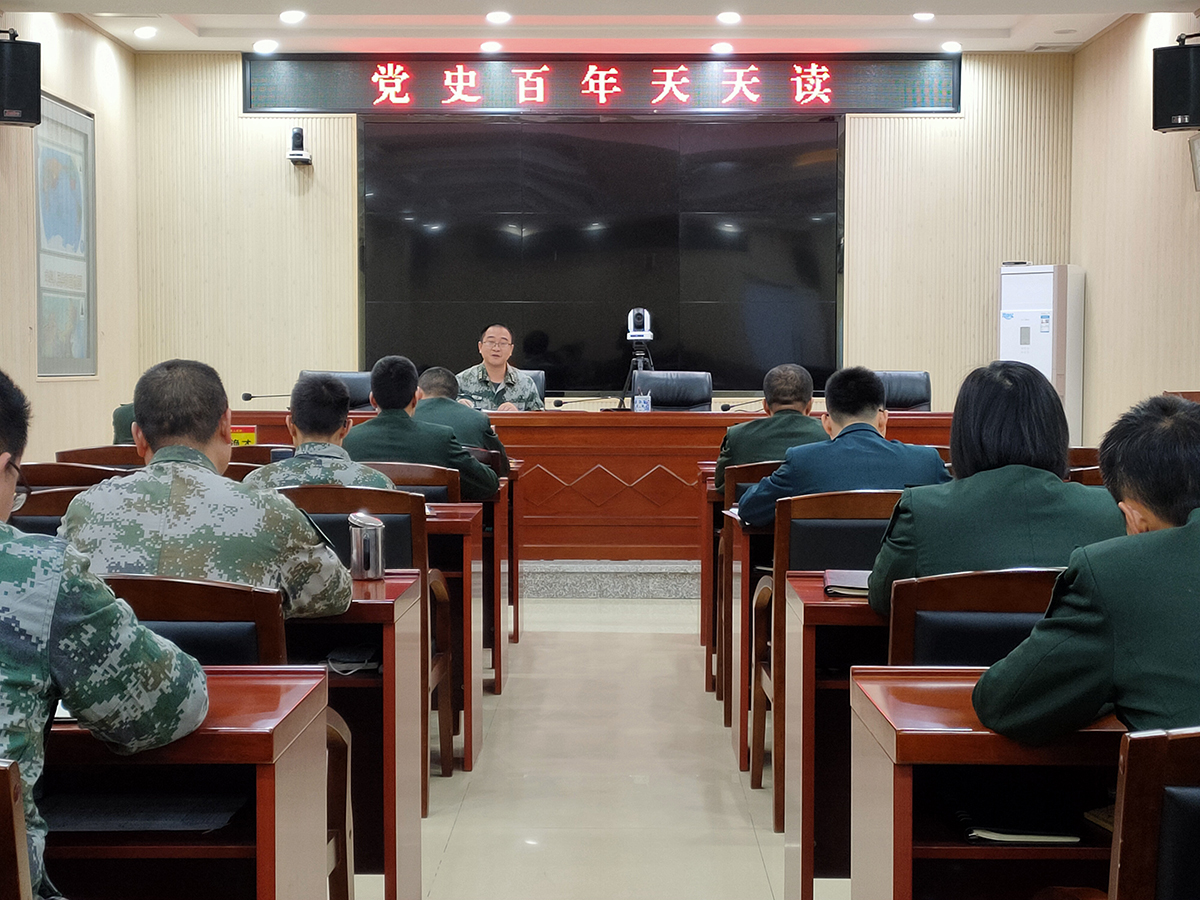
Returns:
point(64, 148)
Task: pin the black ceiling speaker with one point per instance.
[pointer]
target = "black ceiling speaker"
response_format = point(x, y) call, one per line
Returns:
point(20, 82)
point(1177, 87)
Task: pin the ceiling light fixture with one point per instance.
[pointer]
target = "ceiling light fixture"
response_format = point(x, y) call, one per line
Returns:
point(266, 46)
point(490, 46)
point(722, 47)
point(499, 17)
point(292, 16)
point(923, 17)
point(145, 32)
point(952, 47)
point(729, 18)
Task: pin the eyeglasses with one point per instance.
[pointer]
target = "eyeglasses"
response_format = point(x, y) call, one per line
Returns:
point(496, 345)
point(23, 489)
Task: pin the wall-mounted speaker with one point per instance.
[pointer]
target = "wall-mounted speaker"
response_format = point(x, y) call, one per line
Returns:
point(20, 83)
point(1177, 87)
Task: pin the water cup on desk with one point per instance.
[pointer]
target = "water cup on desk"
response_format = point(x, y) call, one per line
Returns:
point(366, 547)
point(641, 402)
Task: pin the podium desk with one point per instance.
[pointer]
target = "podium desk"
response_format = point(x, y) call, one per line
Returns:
point(456, 547)
point(265, 732)
point(824, 637)
point(383, 710)
point(910, 726)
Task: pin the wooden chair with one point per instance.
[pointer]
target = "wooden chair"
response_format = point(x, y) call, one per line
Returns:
point(15, 881)
point(55, 474)
point(490, 458)
point(239, 470)
point(835, 530)
point(1080, 475)
point(50, 502)
point(334, 502)
point(123, 455)
point(259, 454)
point(339, 810)
point(1079, 457)
point(437, 484)
point(966, 618)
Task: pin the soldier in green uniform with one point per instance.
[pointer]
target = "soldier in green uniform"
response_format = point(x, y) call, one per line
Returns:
point(787, 400)
point(1122, 624)
point(440, 406)
point(179, 517)
point(64, 636)
point(395, 436)
point(494, 384)
point(123, 424)
point(318, 421)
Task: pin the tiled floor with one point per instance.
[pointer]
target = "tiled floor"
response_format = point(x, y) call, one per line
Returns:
point(605, 773)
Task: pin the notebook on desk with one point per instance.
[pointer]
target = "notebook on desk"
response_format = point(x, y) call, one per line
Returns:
point(846, 582)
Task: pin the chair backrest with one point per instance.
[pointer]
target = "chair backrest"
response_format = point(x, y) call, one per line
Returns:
point(833, 530)
point(123, 455)
point(1157, 823)
point(1084, 475)
point(739, 479)
point(239, 470)
point(219, 623)
point(58, 474)
point(907, 390)
point(50, 502)
point(14, 852)
point(966, 618)
point(539, 380)
point(1078, 457)
point(259, 454)
point(47, 525)
point(672, 391)
point(490, 458)
point(358, 384)
point(437, 484)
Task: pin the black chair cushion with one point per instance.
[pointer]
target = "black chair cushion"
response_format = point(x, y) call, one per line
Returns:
point(282, 453)
point(434, 493)
point(674, 391)
point(397, 537)
point(1178, 838)
point(213, 643)
point(946, 638)
point(357, 383)
point(907, 390)
point(835, 543)
point(36, 524)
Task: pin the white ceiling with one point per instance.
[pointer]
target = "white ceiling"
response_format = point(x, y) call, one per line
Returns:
point(544, 26)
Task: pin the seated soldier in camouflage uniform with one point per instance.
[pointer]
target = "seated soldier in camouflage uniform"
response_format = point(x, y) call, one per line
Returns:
point(494, 384)
point(319, 419)
point(180, 518)
point(64, 636)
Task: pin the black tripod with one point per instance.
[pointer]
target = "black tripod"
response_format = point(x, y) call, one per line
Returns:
point(643, 362)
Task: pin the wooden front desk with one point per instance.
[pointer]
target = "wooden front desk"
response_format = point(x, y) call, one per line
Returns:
point(383, 710)
point(265, 719)
point(710, 503)
point(911, 725)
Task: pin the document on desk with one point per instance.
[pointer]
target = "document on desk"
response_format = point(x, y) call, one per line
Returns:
point(846, 582)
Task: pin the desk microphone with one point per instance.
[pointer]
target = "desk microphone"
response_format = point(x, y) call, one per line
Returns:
point(250, 396)
point(562, 402)
point(726, 407)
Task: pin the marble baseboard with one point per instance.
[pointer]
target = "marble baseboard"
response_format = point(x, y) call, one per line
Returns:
point(588, 579)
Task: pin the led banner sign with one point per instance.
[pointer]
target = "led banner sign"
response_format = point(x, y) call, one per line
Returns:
point(400, 84)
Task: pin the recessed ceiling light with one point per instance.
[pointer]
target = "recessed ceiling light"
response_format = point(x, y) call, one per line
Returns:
point(490, 46)
point(292, 16)
point(266, 46)
point(729, 18)
point(923, 17)
point(499, 17)
point(145, 32)
point(952, 47)
point(722, 47)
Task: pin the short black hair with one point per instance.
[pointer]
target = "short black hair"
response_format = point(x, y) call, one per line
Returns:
point(787, 385)
point(320, 405)
point(1152, 455)
point(15, 413)
point(487, 328)
point(438, 382)
point(179, 398)
point(394, 382)
point(1008, 414)
point(853, 393)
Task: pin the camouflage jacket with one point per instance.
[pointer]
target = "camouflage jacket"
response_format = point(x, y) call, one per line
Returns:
point(63, 635)
point(177, 517)
point(518, 389)
point(318, 463)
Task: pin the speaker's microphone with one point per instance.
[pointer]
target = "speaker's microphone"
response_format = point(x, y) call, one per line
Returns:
point(726, 407)
point(249, 396)
point(562, 402)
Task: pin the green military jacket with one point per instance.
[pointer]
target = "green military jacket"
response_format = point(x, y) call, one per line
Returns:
point(178, 518)
point(767, 438)
point(472, 427)
point(1121, 629)
point(64, 636)
point(392, 436)
point(123, 424)
point(997, 519)
point(318, 463)
point(518, 389)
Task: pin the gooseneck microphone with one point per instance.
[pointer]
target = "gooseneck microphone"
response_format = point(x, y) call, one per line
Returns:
point(562, 402)
point(249, 396)
point(726, 407)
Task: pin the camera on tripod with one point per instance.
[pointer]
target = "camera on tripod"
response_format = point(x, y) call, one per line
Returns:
point(639, 325)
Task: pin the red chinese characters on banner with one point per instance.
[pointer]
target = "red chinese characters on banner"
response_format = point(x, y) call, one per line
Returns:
point(390, 78)
point(672, 81)
point(460, 79)
point(601, 82)
point(811, 84)
point(740, 82)
point(531, 84)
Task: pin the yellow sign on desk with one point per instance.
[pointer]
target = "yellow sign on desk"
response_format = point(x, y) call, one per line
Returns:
point(244, 435)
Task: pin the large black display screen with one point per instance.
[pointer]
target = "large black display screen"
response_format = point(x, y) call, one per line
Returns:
point(727, 233)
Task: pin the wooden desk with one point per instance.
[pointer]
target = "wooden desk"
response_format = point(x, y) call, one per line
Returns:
point(515, 518)
point(823, 637)
point(495, 585)
point(268, 721)
point(910, 726)
point(456, 547)
point(711, 502)
point(383, 711)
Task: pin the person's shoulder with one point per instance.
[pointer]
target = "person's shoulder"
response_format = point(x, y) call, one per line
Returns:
point(18, 544)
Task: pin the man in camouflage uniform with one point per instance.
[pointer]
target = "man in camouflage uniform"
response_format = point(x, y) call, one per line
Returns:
point(180, 518)
point(494, 384)
point(319, 419)
point(440, 406)
point(64, 636)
